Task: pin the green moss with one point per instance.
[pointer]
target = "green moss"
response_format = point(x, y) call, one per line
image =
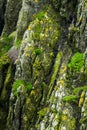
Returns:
point(12, 35)
point(6, 48)
point(17, 43)
point(18, 83)
point(6, 40)
point(5, 45)
point(38, 51)
point(40, 15)
point(70, 98)
point(77, 62)
point(72, 28)
point(71, 123)
point(68, 121)
point(8, 76)
point(15, 86)
point(43, 85)
point(4, 59)
point(44, 35)
point(55, 71)
point(78, 89)
point(45, 27)
point(28, 86)
point(83, 120)
point(43, 111)
point(37, 30)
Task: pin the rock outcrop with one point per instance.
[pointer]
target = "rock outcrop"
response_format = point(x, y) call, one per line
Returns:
point(43, 65)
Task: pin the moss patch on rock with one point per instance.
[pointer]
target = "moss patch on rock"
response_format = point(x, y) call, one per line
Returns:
point(18, 84)
point(77, 62)
point(4, 59)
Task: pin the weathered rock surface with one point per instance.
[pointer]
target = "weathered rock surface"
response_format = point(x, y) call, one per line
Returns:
point(11, 16)
point(2, 12)
point(49, 89)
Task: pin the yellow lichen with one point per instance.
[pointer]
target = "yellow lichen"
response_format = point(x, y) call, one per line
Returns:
point(25, 118)
point(41, 22)
point(64, 117)
point(83, 94)
point(29, 28)
point(64, 68)
point(80, 102)
point(61, 82)
point(36, 1)
point(32, 92)
point(55, 88)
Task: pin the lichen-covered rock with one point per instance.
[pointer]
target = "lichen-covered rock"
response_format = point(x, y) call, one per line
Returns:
point(33, 65)
point(27, 13)
point(6, 77)
point(2, 11)
point(11, 16)
point(66, 98)
point(36, 45)
point(49, 90)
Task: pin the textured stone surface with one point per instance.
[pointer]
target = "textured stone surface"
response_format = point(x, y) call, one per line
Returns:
point(2, 12)
point(11, 16)
point(49, 90)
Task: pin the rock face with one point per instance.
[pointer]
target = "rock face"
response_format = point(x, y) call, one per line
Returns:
point(2, 11)
point(48, 56)
point(11, 16)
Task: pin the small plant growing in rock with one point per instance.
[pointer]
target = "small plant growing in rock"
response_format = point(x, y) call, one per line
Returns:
point(38, 51)
point(79, 89)
point(17, 43)
point(4, 59)
point(40, 15)
point(77, 62)
point(43, 111)
point(5, 45)
point(28, 86)
point(70, 98)
point(16, 84)
point(37, 30)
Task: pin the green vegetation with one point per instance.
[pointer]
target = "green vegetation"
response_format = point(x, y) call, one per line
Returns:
point(4, 59)
point(6, 40)
point(83, 120)
point(70, 98)
point(17, 43)
point(77, 62)
point(55, 70)
point(75, 96)
point(40, 15)
point(43, 111)
point(18, 83)
point(5, 45)
point(6, 48)
point(38, 51)
point(28, 86)
point(78, 89)
point(37, 30)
